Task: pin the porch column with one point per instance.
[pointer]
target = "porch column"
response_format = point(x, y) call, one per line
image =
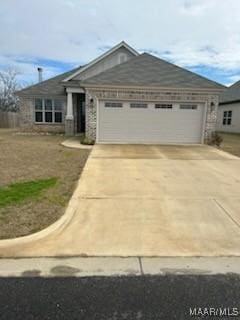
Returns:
point(69, 125)
point(69, 114)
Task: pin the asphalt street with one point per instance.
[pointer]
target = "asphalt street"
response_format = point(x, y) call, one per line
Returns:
point(146, 297)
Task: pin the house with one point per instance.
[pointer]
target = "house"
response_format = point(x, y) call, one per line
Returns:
point(125, 97)
point(228, 117)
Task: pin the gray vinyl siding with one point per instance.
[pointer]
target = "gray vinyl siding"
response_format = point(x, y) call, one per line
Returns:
point(235, 125)
point(105, 64)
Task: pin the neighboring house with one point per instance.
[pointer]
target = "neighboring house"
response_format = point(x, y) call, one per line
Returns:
point(125, 97)
point(228, 119)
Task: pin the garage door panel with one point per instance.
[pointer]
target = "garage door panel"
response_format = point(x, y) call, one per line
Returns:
point(149, 125)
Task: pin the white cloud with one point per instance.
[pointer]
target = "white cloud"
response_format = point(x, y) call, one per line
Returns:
point(193, 32)
point(196, 7)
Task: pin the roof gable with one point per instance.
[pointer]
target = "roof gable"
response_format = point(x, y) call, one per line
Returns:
point(122, 45)
point(231, 94)
point(149, 71)
point(55, 85)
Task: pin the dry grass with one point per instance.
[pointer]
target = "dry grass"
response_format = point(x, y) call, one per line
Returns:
point(231, 143)
point(29, 158)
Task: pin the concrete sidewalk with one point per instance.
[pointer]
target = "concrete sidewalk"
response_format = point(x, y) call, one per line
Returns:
point(117, 266)
point(74, 143)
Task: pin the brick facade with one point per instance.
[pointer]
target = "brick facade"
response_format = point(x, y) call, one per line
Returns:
point(209, 99)
point(92, 96)
point(91, 115)
point(27, 117)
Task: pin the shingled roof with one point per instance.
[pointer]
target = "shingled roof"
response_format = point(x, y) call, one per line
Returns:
point(52, 86)
point(144, 70)
point(232, 94)
point(149, 71)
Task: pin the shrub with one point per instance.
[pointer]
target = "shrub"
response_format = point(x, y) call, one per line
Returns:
point(87, 141)
point(216, 139)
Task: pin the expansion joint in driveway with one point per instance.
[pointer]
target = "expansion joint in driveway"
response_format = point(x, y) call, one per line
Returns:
point(227, 213)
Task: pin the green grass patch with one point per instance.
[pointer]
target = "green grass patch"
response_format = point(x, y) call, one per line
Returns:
point(18, 192)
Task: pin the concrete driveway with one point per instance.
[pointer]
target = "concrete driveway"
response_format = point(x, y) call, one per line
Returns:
point(138, 200)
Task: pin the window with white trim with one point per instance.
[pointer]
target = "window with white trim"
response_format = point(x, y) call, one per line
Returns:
point(227, 118)
point(188, 106)
point(163, 106)
point(48, 111)
point(138, 105)
point(113, 105)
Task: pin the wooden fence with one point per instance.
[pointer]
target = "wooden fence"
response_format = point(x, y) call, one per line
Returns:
point(9, 119)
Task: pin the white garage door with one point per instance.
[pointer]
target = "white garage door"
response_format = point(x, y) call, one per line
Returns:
point(141, 122)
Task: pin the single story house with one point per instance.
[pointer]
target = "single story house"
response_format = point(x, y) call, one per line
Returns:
point(228, 118)
point(125, 97)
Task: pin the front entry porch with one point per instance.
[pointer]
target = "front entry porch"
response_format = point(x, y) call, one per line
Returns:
point(75, 112)
point(79, 116)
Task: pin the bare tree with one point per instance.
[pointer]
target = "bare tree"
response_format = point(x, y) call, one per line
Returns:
point(8, 87)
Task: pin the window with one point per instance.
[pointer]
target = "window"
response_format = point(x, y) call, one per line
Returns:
point(38, 116)
point(38, 104)
point(38, 110)
point(227, 118)
point(58, 117)
point(163, 106)
point(138, 105)
point(48, 117)
point(58, 108)
point(188, 106)
point(48, 105)
point(113, 104)
point(48, 111)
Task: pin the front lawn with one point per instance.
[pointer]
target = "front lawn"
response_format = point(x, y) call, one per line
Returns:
point(231, 143)
point(20, 191)
point(37, 179)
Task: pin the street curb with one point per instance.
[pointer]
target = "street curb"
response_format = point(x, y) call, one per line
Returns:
point(118, 266)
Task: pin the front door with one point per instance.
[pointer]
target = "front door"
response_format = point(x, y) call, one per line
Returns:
point(81, 112)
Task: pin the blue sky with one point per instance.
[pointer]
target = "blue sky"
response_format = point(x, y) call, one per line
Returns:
point(58, 35)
